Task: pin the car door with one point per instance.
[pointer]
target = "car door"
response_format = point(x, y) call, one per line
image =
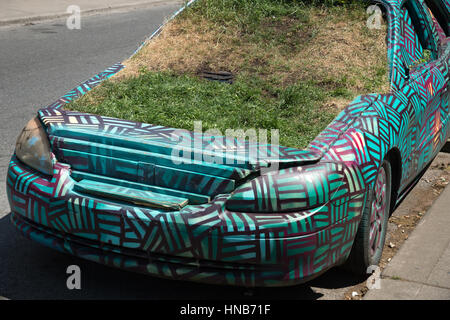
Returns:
point(423, 74)
point(439, 12)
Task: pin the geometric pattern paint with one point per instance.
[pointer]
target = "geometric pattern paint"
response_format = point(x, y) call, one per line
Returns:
point(253, 217)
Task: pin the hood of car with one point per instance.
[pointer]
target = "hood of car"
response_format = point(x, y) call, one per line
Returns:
point(183, 164)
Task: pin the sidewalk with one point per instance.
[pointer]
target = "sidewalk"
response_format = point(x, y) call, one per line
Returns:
point(421, 268)
point(25, 11)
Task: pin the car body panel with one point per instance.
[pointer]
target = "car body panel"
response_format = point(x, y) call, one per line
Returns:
point(224, 233)
point(299, 244)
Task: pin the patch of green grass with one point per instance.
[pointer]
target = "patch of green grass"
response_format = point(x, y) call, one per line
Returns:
point(284, 24)
point(274, 88)
point(177, 101)
point(250, 13)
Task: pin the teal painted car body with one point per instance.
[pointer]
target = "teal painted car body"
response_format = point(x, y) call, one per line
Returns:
point(129, 195)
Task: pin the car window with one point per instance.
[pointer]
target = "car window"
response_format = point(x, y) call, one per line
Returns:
point(418, 46)
point(441, 15)
point(413, 49)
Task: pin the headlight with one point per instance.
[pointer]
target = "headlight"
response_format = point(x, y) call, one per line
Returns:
point(298, 189)
point(33, 148)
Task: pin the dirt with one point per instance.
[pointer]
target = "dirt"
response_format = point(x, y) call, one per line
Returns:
point(328, 47)
point(406, 217)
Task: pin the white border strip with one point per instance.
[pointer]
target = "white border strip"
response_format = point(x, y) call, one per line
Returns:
point(158, 31)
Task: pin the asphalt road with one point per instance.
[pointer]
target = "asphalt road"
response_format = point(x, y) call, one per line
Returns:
point(41, 62)
point(38, 64)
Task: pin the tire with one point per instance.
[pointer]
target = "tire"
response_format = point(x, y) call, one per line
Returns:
point(371, 235)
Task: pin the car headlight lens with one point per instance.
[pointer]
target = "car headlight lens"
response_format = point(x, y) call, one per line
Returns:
point(297, 189)
point(33, 148)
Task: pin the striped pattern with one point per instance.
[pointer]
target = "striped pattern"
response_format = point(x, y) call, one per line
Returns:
point(299, 188)
point(240, 225)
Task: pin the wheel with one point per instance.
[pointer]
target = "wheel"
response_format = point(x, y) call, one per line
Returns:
point(369, 241)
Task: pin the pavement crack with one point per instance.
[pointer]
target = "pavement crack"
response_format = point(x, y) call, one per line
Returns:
point(396, 278)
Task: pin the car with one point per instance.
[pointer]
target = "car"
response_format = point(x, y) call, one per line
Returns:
point(131, 196)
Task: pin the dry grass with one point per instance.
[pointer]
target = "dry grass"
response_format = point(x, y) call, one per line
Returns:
point(295, 66)
point(326, 51)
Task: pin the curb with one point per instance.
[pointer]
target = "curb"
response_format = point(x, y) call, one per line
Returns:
point(115, 8)
point(419, 270)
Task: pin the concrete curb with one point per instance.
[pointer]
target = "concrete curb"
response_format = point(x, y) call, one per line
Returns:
point(110, 9)
point(420, 270)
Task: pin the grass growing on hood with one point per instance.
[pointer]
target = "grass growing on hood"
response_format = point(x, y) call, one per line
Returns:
point(296, 65)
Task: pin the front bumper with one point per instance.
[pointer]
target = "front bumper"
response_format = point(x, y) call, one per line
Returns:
point(204, 243)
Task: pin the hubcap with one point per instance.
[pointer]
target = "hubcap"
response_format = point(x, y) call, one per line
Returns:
point(378, 212)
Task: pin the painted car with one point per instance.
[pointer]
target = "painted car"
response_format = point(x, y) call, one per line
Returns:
point(179, 205)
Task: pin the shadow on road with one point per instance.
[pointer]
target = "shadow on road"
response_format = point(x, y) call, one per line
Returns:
point(31, 271)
